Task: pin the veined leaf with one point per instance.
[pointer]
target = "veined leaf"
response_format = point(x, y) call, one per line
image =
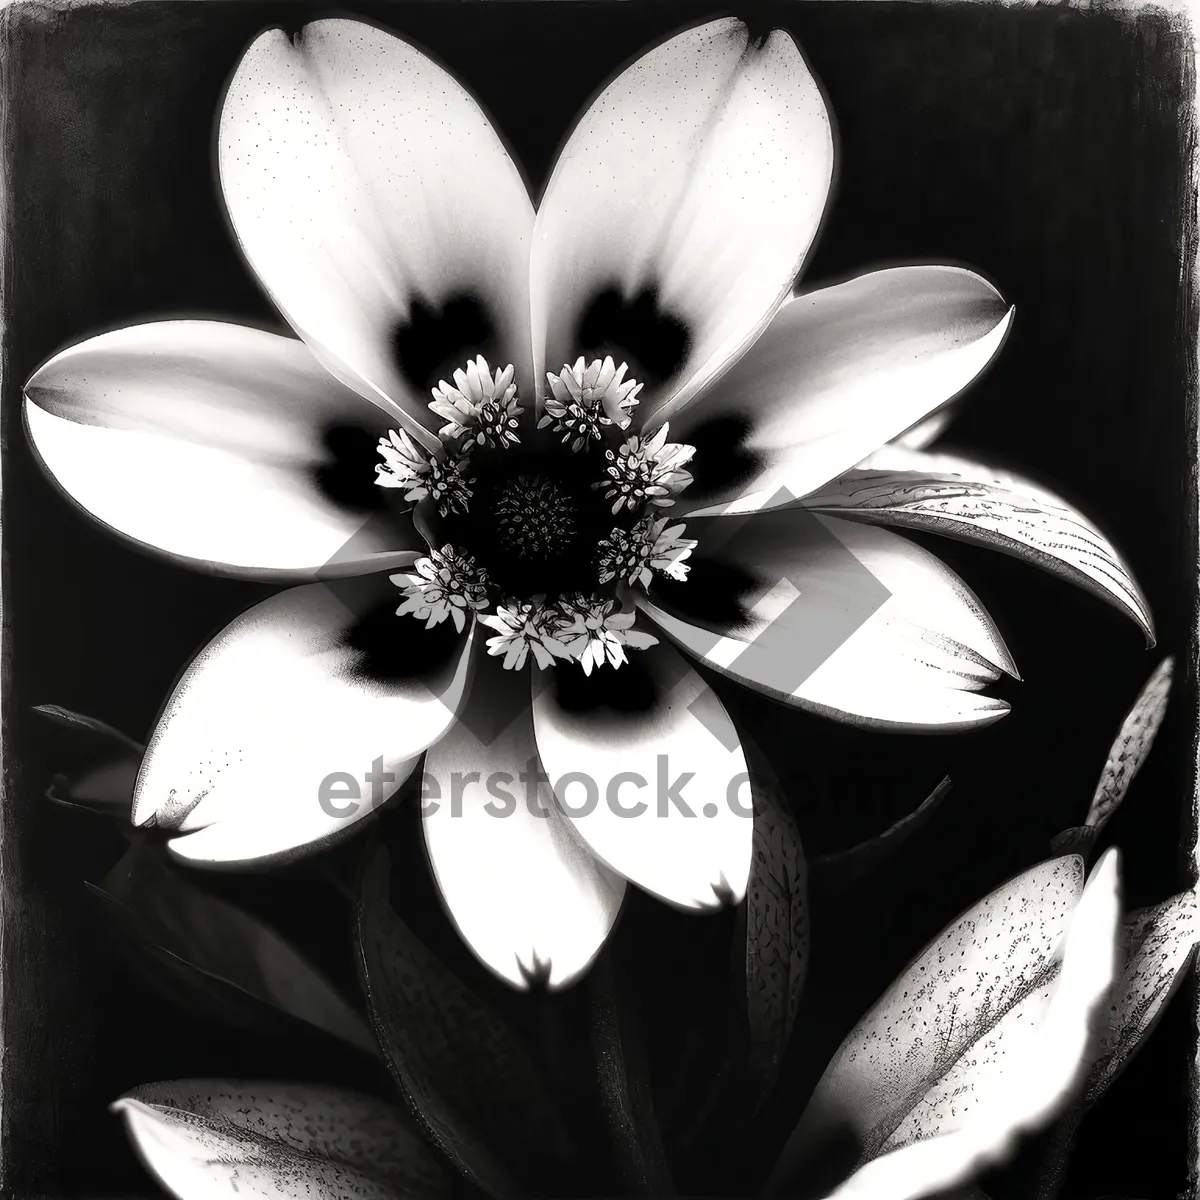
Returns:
point(777, 926)
point(276, 1141)
point(1079, 839)
point(970, 502)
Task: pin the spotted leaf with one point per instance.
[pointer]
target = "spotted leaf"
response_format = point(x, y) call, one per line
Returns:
point(1131, 746)
point(1159, 945)
point(273, 1141)
point(947, 1002)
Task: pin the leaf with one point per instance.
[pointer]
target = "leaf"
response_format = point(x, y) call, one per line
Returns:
point(217, 960)
point(972, 503)
point(1160, 942)
point(625, 1085)
point(770, 953)
point(845, 869)
point(467, 1079)
point(777, 927)
point(1079, 839)
point(101, 764)
point(279, 1140)
point(1030, 1081)
point(988, 961)
point(1132, 744)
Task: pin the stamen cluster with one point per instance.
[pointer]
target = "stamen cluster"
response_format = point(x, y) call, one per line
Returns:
point(446, 481)
point(584, 400)
point(633, 555)
point(531, 517)
point(445, 584)
point(646, 471)
point(481, 407)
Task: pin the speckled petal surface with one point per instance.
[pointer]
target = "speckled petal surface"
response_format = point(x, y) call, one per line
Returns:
point(1044, 1069)
point(280, 704)
point(361, 179)
point(1160, 943)
point(700, 173)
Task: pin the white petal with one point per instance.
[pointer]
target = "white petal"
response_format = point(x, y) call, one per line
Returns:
point(268, 747)
point(926, 432)
point(203, 441)
point(360, 177)
point(845, 620)
point(195, 1162)
point(841, 371)
point(524, 892)
point(1050, 1068)
point(701, 171)
point(659, 793)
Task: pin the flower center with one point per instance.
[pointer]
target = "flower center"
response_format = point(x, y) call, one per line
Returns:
point(535, 517)
point(534, 523)
point(538, 532)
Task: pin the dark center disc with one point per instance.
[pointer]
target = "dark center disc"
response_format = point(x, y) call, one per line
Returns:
point(535, 520)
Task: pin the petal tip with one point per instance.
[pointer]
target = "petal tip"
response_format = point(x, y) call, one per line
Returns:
point(536, 975)
point(129, 1108)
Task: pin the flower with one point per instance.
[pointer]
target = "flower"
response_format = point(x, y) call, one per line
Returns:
point(594, 634)
point(586, 397)
point(420, 475)
point(635, 554)
point(446, 584)
point(646, 471)
point(481, 406)
point(523, 628)
point(364, 185)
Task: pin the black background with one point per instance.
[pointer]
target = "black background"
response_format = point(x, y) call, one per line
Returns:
point(1044, 147)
